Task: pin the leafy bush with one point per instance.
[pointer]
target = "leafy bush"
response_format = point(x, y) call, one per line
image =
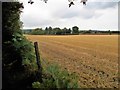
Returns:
point(36, 84)
point(54, 77)
point(18, 59)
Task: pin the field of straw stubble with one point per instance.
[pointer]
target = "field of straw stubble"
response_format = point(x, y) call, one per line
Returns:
point(94, 58)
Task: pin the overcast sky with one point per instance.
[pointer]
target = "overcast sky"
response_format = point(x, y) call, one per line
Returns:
point(97, 14)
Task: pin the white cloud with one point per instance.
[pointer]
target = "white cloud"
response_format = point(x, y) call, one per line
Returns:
point(95, 15)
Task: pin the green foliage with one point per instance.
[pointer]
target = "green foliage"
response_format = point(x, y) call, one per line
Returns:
point(18, 60)
point(16, 44)
point(75, 30)
point(58, 31)
point(55, 31)
point(54, 77)
point(50, 31)
point(36, 85)
point(37, 31)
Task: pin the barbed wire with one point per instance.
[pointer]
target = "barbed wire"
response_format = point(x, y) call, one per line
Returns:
point(43, 61)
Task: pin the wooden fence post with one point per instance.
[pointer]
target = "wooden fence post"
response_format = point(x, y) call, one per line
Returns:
point(39, 73)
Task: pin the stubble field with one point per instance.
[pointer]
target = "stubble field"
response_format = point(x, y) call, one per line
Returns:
point(94, 58)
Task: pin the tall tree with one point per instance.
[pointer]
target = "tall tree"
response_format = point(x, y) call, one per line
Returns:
point(64, 31)
point(58, 31)
point(75, 30)
point(68, 31)
point(46, 30)
point(50, 30)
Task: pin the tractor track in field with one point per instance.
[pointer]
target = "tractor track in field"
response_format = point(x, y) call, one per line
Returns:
point(96, 66)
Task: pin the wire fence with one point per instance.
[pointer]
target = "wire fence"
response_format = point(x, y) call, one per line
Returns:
point(43, 61)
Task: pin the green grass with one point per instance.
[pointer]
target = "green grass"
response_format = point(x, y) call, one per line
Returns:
point(54, 77)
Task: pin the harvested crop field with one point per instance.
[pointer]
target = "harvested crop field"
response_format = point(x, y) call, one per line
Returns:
point(94, 58)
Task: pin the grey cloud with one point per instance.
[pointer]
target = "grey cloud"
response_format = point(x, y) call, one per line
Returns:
point(36, 24)
point(101, 5)
point(61, 15)
point(70, 14)
point(88, 14)
point(30, 22)
point(73, 13)
point(90, 10)
point(85, 14)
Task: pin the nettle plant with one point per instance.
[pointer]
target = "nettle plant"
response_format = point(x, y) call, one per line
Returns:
point(71, 2)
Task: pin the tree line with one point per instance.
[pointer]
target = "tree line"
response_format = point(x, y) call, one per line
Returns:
point(67, 31)
point(54, 31)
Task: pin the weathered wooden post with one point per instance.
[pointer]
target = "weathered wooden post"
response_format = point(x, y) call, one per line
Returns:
point(39, 73)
